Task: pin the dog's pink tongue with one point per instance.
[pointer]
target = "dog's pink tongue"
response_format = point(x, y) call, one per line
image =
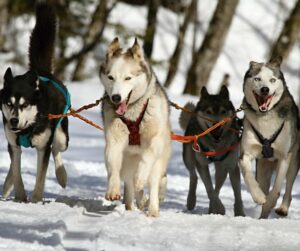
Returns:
point(122, 107)
point(265, 103)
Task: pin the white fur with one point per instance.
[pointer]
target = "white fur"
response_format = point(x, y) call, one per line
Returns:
point(284, 147)
point(120, 70)
point(27, 116)
point(21, 101)
point(276, 88)
point(140, 165)
point(40, 141)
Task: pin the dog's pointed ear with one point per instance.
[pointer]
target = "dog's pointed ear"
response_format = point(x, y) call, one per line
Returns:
point(254, 64)
point(203, 92)
point(8, 76)
point(113, 47)
point(136, 50)
point(275, 61)
point(224, 92)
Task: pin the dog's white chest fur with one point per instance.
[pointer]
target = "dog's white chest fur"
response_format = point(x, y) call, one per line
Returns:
point(39, 141)
point(267, 125)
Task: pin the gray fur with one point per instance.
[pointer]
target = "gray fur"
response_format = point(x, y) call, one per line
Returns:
point(220, 107)
point(185, 116)
point(281, 109)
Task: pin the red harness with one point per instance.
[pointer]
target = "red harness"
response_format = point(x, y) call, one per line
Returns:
point(134, 137)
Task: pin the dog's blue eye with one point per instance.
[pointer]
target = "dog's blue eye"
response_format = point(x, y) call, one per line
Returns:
point(272, 80)
point(110, 77)
point(127, 78)
point(257, 79)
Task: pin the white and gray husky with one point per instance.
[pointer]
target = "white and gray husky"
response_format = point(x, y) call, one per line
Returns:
point(137, 127)
point(210, 110)
point(270, 135)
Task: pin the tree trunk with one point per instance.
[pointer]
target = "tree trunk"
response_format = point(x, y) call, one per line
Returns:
point(89, 44)
point(209, 51)
point(3, 24)
point(289, 34)
point(174, 61)
point(95, 26)
point(151, 26)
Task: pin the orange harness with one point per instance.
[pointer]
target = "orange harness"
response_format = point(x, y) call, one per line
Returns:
point(176, 137)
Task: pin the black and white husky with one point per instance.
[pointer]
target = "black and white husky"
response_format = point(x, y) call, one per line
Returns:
point(26, 100)
point(270, 135)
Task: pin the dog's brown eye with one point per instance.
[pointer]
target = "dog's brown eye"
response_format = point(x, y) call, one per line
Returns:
point(223, 112)
point(24, 105)
point(257, 79)
point(272, 80)
point(9, 104)
point(110, 77)
point(208, 112)
point(127, 78)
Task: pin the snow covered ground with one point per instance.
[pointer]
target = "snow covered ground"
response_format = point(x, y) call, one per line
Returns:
point(79, 218)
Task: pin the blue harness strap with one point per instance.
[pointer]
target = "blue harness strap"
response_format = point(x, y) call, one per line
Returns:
point(24, 139)
point(63, 91)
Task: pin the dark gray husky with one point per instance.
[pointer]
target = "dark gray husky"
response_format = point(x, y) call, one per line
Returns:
point(26, 100)
point(210, 110)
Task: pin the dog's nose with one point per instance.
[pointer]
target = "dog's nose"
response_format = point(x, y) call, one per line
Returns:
point(264, 91)
point(116, 98)
point(14, 122)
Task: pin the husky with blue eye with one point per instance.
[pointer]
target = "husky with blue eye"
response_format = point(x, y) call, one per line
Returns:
point(26, 100)
point(271, 135)
point(137, 127)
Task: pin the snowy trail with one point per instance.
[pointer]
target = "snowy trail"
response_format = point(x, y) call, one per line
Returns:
point(78, 217)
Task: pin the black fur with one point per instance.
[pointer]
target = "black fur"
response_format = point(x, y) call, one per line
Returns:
point(44, 95)
point(42, 40)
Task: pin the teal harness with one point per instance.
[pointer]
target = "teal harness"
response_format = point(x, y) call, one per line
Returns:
point(24, 140)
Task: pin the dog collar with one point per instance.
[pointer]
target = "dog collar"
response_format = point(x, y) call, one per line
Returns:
point(134, 137)
point(267, 149)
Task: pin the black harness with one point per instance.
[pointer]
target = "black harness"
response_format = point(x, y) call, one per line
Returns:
point(267, 149)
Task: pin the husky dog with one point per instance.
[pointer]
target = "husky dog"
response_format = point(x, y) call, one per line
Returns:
point(270, 135)
point(26, 100)
point(137, 127)
point(210, 110)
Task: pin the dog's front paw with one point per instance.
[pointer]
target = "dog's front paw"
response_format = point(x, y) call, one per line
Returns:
point(258, 196)
point(282, 211)
point(113, 194)
point(21, 198)
point(153, 213)
point(216, 207)
point(36, 198)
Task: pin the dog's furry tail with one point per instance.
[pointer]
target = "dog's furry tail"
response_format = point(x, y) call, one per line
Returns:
point(185, 117)
point(42, 40)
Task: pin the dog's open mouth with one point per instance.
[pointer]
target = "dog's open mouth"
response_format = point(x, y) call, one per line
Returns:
point(15, 129)
point(122, 107)
point(263, 101)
